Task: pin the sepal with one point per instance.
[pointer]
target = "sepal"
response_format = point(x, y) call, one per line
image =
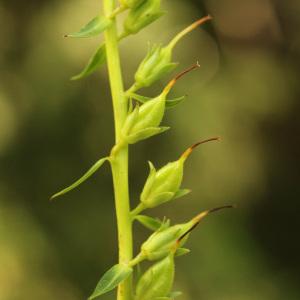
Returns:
point(157, 281)
point(145, 134)
point(182, 251)
point(170, 103)
point(142, 16)
point(149, 222)
point(181, 193)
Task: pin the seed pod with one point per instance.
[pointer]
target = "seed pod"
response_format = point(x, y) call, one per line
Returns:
point(156, 64)
point(158, 61)
point(161, 242)
point(142, 15)
point(164, 184)
point(144, 121)
point(157, 281)
point(132, 3)
point(169, 238)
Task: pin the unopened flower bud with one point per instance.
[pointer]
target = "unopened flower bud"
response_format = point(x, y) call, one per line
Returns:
point(143, 122)
point(157, 281)
point(162, 242)
point(158, 61)
point(155, 65)
point(142, 15)
point(168, 239)
point(164, 184)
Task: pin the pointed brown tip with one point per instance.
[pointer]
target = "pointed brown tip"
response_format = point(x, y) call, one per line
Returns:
point(202, 20)
point(220, 208)
point(177, 77)
point(190, 149)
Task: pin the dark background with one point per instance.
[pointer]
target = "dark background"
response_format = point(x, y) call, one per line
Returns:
point(52, 130)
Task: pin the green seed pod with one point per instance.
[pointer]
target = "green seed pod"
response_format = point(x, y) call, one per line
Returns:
point(168, 239)
point(132, 3)
point(158, 61)
point(163, 185)
point(157, 281)
point(143, 122)
point(161, 242)
point(142, 15)
point(155, 65)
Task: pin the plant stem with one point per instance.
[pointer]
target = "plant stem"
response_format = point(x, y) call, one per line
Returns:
point(119, 160)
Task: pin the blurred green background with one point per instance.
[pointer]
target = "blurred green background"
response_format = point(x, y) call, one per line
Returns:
point(51, 130)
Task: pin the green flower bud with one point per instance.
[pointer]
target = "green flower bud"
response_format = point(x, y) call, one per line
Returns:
point(168, 239)
point(132, 3)
point(158, 61)
point(142, 15)
point(143, 122)
point(157, 281)
point(164, 184)
point(163, 241)
point(156, 64)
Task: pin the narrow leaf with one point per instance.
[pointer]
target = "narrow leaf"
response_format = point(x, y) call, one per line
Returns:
point(149, 222)
point(111, 279)
point(88, 174)
point(93, 28)
point(94, 62)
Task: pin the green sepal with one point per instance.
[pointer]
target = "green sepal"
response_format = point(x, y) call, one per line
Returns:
point(145, 133)
point(169, 102)
point(181, 193)
point(130, 120)
point(175, 294)
point(98, 59)
point(111, 279)
point(160, 199)
point(92, 28)
point(149, 181)
point(151, 223)
point(157, 281)
point(82, 179)
point(182, 251)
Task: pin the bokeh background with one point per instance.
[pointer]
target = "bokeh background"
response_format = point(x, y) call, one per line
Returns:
point(51, 130)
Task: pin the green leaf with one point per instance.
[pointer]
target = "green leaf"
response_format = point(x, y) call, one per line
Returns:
point(111, 279)
point(169, 102)
point(182, 251)
point(149, 222)
point(93, 28)
point(181, 193)
point(98, 59)
point(88, 174)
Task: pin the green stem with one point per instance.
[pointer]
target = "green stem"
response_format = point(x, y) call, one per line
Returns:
point(137, 210)
point(119, 160)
